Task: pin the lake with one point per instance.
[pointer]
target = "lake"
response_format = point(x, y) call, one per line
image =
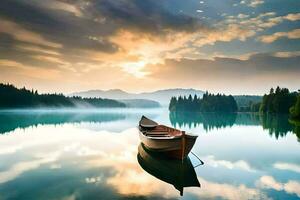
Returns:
point(84, 154)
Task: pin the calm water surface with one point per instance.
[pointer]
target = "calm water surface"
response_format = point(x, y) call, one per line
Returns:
point(94, 155)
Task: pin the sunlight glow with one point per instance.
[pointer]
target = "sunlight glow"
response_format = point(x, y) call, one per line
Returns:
point(136, 68)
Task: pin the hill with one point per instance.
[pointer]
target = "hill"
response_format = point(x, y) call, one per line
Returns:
point(161, 96)
point(140, 103)
point(12, 97)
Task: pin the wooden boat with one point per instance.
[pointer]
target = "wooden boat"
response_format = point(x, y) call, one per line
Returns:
point(179, 173)
point(169, 141)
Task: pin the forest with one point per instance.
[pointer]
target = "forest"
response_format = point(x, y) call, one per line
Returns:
point(208, 103)
point(295, 110)
point(281, 101)
point(278, 101)
point(12, 97)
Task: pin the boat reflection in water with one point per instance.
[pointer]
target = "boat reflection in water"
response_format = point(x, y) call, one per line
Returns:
point(179, 173)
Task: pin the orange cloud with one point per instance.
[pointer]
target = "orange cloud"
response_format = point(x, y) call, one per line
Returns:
point(294, 34)
point(24, 35)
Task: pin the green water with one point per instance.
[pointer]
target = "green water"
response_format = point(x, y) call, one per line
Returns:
point(80, 154)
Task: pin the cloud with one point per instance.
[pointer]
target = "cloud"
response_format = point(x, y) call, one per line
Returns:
point(252, 3)
point(228, 71)
point(212, 190)
point(132, 181)
point(21, 34)
point(122, 39)
point(294, 34)
point(219, 67)
point(59, 5)
point(292, 16)
point(240, 164)
point(240, 27)
point(260, 22)
point(37, 49)
point(268, 182)
point(287, 54)
point(102, 27)
point(292, 187)
point(147, 16)
point(17, 69)
point(287, 166)
point(25, 166)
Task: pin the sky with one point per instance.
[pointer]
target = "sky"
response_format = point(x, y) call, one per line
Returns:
point(227, 46)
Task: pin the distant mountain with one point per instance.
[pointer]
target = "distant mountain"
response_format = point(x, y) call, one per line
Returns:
point(106, 94)
point(161, 96)
point(140, 103)
point(164, 96)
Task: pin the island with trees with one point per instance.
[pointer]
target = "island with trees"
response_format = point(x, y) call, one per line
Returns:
point(208, 103)
point(278, 101)
point(12, 97)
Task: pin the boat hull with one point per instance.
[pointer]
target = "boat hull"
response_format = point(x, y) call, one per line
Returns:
point(178, 173)
point(173, 147)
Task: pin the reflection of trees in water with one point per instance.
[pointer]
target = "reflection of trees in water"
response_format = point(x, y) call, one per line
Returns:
point(248, 119)
point(296, 130)
point(11, 121)
point(209, 120)
point(277, 125)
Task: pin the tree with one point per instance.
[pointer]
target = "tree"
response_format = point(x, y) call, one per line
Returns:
point(12, 97)
point(278, 102)
point(295, 109)
point(209, 103)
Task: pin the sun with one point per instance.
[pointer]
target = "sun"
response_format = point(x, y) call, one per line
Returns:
point(135, 68)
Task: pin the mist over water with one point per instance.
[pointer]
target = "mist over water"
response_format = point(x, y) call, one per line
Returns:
point(92, 154)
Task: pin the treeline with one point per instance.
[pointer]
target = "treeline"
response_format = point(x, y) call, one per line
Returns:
point(295, 109)
point(208, 103)
point(248, 103)
point(251, 107)
point(279, 101)
point(12, 97)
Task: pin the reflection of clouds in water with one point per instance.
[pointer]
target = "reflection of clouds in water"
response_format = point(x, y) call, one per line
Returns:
point(287, 166)
point(227, 191)
point(93, 179)
point(95, 150)
point(240, 164)
point(132, 181)
point(21, 167)
point(251, 144)
point(115, 126)
point(50, 135)
point(38, 146)
point(55, 166)
point(268, 182)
